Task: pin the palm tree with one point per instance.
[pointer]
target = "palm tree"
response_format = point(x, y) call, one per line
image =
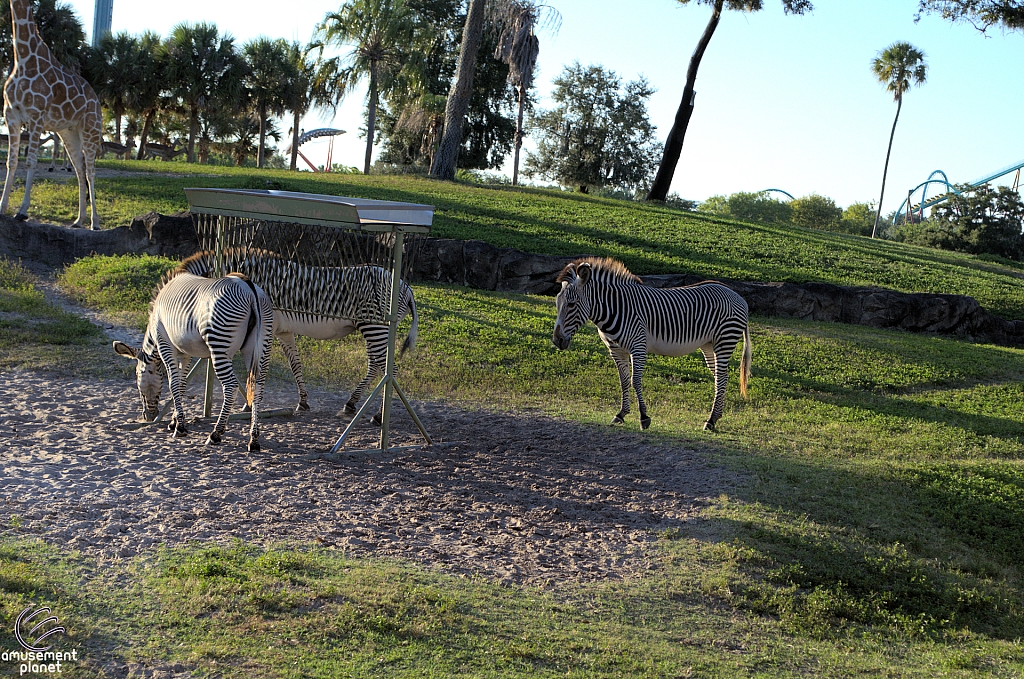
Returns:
point(898, 67)
point(304, 90)
point(268, 76)
point(203, 70)
point(152, 67)
point(381, 33)
point(461, 90)
point(113, 70)
point(518, 47)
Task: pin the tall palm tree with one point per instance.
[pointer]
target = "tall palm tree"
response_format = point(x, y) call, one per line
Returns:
point(898, 67)
point(268, 75)
point(304, 90)
point(518, 46)
point(203, 70)
point(459, 95)
point(381, 33)
point(113, 69)
point(152, 68)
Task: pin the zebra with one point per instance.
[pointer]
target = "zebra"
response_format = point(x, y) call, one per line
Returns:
point(370, 284)
point(195, 316)
point(634, 319)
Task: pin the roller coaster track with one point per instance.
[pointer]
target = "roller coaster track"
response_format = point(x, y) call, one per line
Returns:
point(926, 202)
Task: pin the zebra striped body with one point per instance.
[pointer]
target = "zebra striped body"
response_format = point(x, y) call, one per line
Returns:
point(367, 292)
point(634, 320)
point(204, 318)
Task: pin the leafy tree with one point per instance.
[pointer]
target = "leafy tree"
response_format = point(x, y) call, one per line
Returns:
point(457, 104)
point(978, 220)
point(674, 143)
point(377, 31)
point(59, 27)
point(271, 69)
point(598, 135)
point(204, 73)
point(816, 212)
point(113, 69)
point(518, 46)
point(758, 207)
point(982, 14)
point(858, 219)
point(898, 67)
point(304, 90)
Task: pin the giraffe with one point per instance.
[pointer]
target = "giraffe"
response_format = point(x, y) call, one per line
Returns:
point(41, 94)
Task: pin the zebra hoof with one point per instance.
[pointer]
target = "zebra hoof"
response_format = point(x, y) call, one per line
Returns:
point(378, 419)
point(618, 420)
point(350, 409)
point(254, 447)
point(302, 406)
point(645, 422)
point(20, 217)
point(709, 426)
point(213, 440)
point(179, 433)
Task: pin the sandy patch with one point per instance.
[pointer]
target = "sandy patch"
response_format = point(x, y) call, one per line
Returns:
point(516, 497)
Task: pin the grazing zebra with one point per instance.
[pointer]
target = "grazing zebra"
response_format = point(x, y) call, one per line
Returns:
point(634, 320)
point(194, 316)
point(368, 288)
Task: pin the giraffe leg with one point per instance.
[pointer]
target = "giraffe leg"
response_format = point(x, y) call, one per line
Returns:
point(13, 148)
point(73, 143)
point(622, 365)
point(31, 156)
point(89, 152)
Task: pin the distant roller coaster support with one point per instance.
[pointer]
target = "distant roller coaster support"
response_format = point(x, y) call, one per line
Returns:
point(907, 209)
point(787, 194)
point(316, 134)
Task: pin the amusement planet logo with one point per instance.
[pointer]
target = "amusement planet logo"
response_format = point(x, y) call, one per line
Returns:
point(32, 629)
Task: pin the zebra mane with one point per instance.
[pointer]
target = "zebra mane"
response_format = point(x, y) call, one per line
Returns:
point(605, 267)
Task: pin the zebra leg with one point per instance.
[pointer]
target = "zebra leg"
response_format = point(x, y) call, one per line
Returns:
point(291, 352)
point(622, 364)
point(176, 385)
point(709, 357)
point(721, 372)
point(639, 358)
point(376, 337)
point(226, 375)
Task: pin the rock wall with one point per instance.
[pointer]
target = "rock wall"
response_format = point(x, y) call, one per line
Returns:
point(481, 265)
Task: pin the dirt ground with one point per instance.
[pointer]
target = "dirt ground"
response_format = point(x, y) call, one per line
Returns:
point(515, 497)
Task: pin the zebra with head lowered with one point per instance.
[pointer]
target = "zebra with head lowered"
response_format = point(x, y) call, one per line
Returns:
point(635, 320)
point(359, 292)
point(206, 318)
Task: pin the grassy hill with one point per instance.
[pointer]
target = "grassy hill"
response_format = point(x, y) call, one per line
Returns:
point(649, 239)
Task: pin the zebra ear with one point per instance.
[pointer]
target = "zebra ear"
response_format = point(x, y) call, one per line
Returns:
point(122, 349)
point(583, 272)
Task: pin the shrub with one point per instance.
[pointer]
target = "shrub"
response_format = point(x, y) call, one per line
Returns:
point(759, 207)
point(858, 219)
point(816, 212)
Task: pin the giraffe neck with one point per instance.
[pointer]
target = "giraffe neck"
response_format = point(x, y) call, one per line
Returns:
point(24, 30)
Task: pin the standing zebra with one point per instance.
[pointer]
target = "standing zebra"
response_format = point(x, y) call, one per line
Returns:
point(194, 316)
point(634, 319)
point(365, 289)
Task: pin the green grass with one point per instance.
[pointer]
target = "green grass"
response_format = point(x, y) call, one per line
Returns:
point(649, 239)
point(27, 318)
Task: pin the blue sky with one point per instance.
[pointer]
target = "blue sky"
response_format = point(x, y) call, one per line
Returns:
point(783, 102)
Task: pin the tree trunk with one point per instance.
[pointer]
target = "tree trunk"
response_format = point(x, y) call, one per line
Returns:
point(519, 135)
point(193, 130)
point(295, 140)
point(447, 155)
point(117, 124)
point(260, 152)
point(144, 137)
point(878, 215)
point(371, 119)
point(674, 143)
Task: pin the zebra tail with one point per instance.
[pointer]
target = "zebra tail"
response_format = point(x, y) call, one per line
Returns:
point(255, 326)
point(745, 362)
point(410, 340)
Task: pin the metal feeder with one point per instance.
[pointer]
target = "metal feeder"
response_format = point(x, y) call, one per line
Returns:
point(311, 231)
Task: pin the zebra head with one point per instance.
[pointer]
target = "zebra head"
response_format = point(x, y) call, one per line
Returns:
point(572, 304)
point(149, 377)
